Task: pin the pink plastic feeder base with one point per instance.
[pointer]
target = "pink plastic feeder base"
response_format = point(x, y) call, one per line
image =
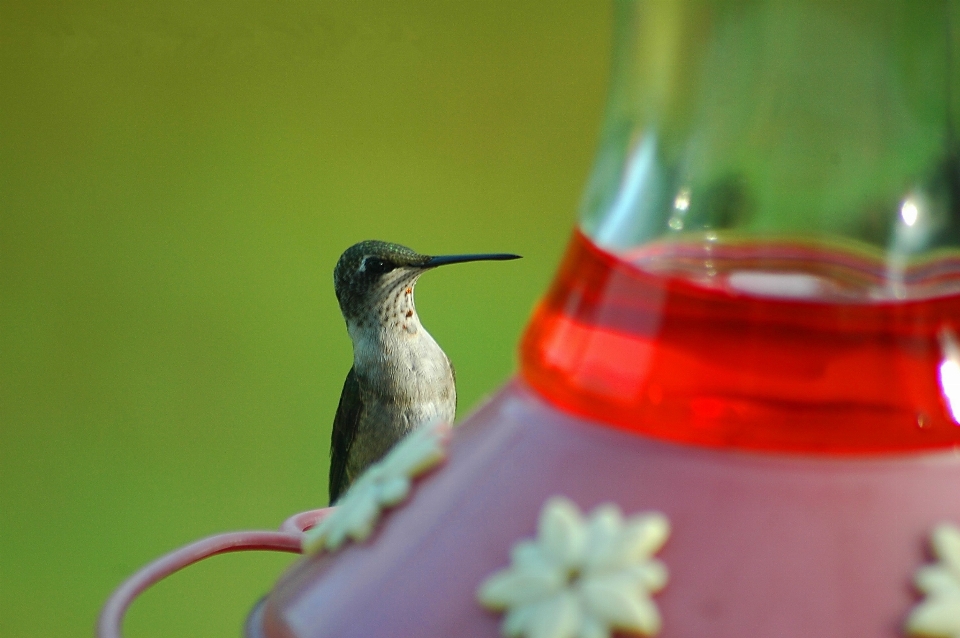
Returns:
point(761, 544)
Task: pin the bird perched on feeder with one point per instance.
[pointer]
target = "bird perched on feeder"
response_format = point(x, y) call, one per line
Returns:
point(400, 377)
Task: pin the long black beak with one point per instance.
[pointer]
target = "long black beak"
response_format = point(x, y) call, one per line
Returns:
point(444, 260)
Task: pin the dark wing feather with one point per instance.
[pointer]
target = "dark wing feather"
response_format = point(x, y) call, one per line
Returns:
point(345, 426)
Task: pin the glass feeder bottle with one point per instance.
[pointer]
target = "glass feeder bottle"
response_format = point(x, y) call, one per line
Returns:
point(755, 331)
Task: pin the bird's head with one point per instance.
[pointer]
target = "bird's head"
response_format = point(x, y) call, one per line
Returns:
point(369, 274)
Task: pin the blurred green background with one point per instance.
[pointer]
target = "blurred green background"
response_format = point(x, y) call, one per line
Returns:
point(177, 180)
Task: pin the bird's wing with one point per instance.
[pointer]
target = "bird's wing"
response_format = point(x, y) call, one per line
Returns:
point(345, 426)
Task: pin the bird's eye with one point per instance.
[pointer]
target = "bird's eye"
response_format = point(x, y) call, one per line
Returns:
point(376, 265)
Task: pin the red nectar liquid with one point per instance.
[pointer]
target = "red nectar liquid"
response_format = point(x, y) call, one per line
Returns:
point(788, 350)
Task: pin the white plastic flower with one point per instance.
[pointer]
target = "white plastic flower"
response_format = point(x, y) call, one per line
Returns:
point(384, 484)
point(581, 577)
point(938, 614)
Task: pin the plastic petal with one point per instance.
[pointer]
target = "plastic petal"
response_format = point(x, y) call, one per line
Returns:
point(529, 554)
point(418, 451)
point(932, 579)
point(393, 490)
point(562, 531)
point(509, 587)
point(645, 534)
point(652, 575)
point(313, 540)
point(591, 627)
point(621, 605)
point(603, 528)
point(360, 515)
point(557, 617)
point(936, 616)
point(334, 537)
point(517, 620)
point(945, 541)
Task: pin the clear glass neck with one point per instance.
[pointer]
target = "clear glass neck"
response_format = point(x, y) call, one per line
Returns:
point(741, 134)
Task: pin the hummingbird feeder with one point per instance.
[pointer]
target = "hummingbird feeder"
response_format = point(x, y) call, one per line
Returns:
point(737, 412)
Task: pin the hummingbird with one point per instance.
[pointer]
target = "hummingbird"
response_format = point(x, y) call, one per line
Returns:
point(400, 378)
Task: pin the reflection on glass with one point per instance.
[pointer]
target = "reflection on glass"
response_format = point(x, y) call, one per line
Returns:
point(635, 192)
point(909, 212)
point(950, 372)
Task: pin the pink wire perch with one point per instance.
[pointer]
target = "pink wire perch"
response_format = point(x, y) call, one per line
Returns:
point(286, 540)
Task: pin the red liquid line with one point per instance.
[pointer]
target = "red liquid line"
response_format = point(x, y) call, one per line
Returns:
point(665, 357)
